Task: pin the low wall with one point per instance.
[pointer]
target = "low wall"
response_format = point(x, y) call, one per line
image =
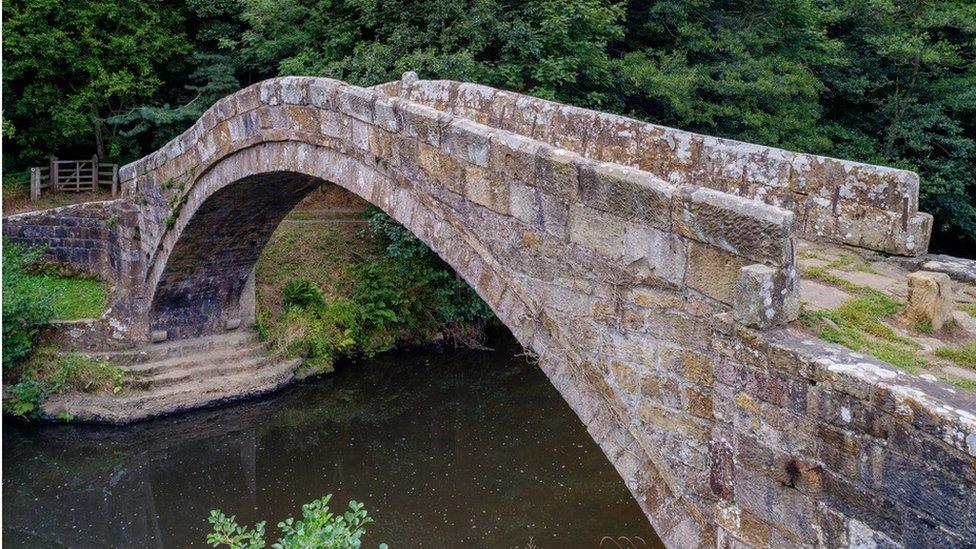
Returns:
point(851, 203)
point(78, 235)
point(100, 238)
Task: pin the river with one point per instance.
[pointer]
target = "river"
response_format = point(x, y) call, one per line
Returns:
point(446, 449)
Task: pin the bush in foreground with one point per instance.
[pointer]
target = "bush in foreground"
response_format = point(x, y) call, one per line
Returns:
point(319, 527)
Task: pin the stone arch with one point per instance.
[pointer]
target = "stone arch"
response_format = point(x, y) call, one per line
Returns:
point(587, 263)
point(239, 182)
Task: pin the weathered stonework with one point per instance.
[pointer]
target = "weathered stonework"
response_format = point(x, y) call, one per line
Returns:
point(837, 200)
point(640, 294)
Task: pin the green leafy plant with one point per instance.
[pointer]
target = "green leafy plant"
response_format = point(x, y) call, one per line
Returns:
point(303, 293)
point(27, 304)
point(50, 372)
point(319, 527)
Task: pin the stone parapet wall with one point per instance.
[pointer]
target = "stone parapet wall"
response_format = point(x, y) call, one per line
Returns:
point(83, 236)
point(851, 203)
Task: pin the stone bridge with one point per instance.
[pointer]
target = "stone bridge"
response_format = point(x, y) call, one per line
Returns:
point(653, 272)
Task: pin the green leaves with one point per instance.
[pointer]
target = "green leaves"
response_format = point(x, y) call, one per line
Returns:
point(318, 527)
point(70, 65)
point(27, 303)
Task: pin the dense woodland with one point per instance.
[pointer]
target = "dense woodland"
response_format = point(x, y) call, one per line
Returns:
point(883, 81)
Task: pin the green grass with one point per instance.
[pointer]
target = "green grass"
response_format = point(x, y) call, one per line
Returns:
point(963, 356)
point(969, 308)
point(856, 325)
point(50, 372)
point(75, 298)
point(846, 262)
point(966, 384)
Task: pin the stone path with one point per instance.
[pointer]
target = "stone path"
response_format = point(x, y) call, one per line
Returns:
point(839, 289)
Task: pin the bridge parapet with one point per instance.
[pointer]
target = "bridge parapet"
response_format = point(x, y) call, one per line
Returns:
point(847, 202)
point(689, 238)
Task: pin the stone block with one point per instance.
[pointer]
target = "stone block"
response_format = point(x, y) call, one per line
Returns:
point(248, 99)
point(322, 93)
point(481, 187)
point(557, 173)
point(929, 298)
point(513, 156)
point(384, 114)
point(652, 252)
point(356, 102)
point(442, 168)
point(765, 297)
point(592, 229)
point(268, 92)
point(713, 271)
point(466, 140)
point(294, 90)
point(626, 192)
point(334, 124)
point(420, 122)
point(747, 228)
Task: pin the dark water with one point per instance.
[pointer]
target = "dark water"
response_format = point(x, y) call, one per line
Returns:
point(454, 449)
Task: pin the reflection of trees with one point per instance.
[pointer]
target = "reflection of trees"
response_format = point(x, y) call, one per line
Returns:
point(425, 429)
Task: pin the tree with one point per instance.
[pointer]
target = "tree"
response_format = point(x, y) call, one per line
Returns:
point(739, 69)
point(550, 48)
point(71, 64)
point(906, 95)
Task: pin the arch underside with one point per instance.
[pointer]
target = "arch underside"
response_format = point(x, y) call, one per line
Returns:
point(206, 272)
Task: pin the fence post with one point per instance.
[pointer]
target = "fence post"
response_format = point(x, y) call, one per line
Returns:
point(95, 173)
point(35, 184)
point(115, 179)
point(55, 183)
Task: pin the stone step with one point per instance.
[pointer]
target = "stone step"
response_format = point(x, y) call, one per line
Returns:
point(202, 371)
point(194, 393)
point(179, 348)
point(215, 357)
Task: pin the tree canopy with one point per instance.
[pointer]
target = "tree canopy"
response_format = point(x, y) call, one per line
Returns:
point(883, 81)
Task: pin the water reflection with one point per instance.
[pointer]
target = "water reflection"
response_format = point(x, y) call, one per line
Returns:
point(472, 449)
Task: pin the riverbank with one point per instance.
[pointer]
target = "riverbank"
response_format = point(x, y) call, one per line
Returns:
point(340, 278)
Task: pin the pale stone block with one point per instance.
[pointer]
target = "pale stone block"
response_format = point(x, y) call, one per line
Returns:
point(713, 271)
point(626, 192)
point(755, 301)
point(747, 228)
point(356, 102)
point(592, 229)
point(650, 252)
point(466, 140)
point(481, 188)
point(929, 298)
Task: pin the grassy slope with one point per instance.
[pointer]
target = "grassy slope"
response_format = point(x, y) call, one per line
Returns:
point(324, 253)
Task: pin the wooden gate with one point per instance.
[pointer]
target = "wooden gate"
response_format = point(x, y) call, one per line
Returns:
point(75, 176)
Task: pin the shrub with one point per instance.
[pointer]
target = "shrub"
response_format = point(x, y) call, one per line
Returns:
point(300, 292)
point(27, 304)
point(318, 527)
point(49, 372)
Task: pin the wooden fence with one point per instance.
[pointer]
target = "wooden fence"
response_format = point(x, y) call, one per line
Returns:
point(75, 176)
